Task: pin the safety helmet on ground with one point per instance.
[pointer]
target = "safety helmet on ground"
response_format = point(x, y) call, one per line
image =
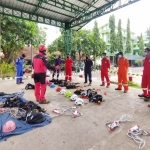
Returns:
point(52, 85)
point(79, 101)
point(9, 126)
point(58, 89)
point(74, 97)
point(63, 92)
point(68, 94)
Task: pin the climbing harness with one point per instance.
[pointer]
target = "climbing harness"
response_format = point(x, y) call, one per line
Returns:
point(61, 112)
point(112, 125)
point(133, 134)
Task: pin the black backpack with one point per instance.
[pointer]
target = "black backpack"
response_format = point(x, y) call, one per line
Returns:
point(34, 117)
point(29, 86)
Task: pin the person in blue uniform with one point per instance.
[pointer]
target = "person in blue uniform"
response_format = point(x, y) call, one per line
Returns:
point(19, 69)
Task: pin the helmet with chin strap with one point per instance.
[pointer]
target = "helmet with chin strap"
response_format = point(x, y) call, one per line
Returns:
point(42, 49)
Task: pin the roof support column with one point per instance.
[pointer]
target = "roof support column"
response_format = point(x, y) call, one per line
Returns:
point(68, 39)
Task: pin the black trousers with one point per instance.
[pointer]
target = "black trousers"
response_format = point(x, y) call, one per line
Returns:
point(87, 73)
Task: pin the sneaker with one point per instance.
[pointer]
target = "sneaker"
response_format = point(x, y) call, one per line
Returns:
point(125, 91)
point(18, 83)
point(85, 82)
point(89, 84)
point(102, 85)
point(44, 102)
point(38, 100)
point(117, 89)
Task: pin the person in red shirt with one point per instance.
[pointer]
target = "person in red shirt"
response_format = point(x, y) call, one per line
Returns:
point(105, 65)
point(146, 76)
point(68, 62)
point(40, 65)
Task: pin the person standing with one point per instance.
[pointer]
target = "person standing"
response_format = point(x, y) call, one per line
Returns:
point(40, 65)
point(88, 69)
point(123, 65)
point(19, 69)
point(146, 76)
point(105, 65)
point(68, 62)
point(58, 62)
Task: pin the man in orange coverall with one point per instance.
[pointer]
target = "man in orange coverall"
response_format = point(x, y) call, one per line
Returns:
point(123, 65)
point(146, 76)
point(105, 65)
point(68, 63)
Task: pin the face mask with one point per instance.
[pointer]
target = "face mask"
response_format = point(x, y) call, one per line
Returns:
point(120, 56)
point(145, 53)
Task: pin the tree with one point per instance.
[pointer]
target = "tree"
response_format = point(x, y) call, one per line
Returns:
point(148, 37)
point(119, 37)
point(16, 33)
point(113, 38)
point(128, 39)
point(97, 45)
point(141, 45)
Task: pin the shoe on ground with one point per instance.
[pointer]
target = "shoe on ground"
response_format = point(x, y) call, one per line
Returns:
point(18, 83)
point(102, 85)
point(147, 99)
point(142, 96)
point(85, 82)
point(117, 89)
point(38, 100)
point(44, 102)
point(125, 91)
point(107, 86)
point(89, 84)
point(21, 82)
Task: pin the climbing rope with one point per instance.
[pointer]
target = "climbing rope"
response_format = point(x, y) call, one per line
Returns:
point(61, 111)
point(123, 118)
point(133, 134)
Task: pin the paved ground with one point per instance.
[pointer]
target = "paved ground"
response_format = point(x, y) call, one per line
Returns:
point(89, 131)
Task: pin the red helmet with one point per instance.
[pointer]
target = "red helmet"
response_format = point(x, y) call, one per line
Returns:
point(42, 48)
point(58, 89)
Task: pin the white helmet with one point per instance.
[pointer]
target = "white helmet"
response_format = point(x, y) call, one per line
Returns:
point(79, 101)
point(74, 97)
point(63, 92)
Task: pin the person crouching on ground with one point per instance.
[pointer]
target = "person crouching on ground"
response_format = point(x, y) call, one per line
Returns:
point(40, 65)
point(146, 76)
point(123, 65)
point(105, 66)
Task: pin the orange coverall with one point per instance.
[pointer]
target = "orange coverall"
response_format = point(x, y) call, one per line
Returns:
point(105, 65)
point(123, 65)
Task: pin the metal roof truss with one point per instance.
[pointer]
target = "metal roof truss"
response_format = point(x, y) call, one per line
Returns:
point(61, 13)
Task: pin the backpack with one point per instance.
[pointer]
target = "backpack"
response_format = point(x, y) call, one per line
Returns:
point(34, 117)
point(29, 86)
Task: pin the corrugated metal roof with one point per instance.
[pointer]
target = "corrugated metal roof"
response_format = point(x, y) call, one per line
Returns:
point(76, 13)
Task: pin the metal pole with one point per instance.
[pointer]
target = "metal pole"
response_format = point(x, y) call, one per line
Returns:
point(31, 55)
